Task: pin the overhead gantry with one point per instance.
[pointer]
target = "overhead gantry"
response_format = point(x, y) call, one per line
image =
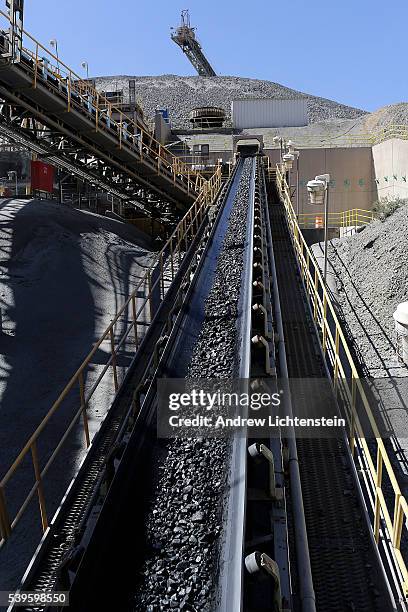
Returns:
point(185, 38)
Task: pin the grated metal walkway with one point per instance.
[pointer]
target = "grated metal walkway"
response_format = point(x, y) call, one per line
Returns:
point(346, 572)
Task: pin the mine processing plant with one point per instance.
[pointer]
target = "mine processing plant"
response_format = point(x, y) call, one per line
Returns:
point(271, 522)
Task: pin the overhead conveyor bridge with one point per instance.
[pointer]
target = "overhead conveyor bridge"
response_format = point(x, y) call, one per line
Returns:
point(50, 105)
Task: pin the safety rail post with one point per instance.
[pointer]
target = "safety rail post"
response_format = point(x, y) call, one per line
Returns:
point(40, 487)
point(171, 258)
point(120, 129)
point(134, 317)
point(84, 407)
point(324, 320)
point(336, 357)
point(150, 296)
point(5, 525)
point(185, 233)
point(69, 92)
point(377, 503)
point(36, 67)
point(97, 113)
point(179, 239)
point(398, 522)
point(196, 215)
point(352, 441)
point(113, 353)
point(162, 275)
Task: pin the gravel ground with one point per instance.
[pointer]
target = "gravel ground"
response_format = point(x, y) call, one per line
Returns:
point(180, 94)
point(63, 275)
point(184, 526)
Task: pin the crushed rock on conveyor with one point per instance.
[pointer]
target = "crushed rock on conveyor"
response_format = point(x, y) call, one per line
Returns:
point(184, 526)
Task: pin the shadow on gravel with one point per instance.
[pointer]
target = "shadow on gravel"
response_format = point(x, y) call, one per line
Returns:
point(392, 395)
point(59, 271)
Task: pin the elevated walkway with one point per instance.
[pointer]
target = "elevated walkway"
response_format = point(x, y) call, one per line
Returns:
point(78, 121)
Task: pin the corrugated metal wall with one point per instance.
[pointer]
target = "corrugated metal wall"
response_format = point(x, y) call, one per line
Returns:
point(259, 113)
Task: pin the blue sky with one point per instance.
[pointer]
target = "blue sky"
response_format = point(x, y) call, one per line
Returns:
point(352, 51)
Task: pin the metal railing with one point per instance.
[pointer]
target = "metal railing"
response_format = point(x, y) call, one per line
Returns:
point(133, 317)
point(366, 445)
point(362, 139)
point(355, 217)
point(48, 69)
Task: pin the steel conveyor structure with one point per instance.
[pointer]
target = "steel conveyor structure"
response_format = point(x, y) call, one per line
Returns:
point(63, 118)
point(185, 38)
point(294, 528)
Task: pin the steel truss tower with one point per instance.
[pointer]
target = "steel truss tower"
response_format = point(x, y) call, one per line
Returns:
point(184, 37)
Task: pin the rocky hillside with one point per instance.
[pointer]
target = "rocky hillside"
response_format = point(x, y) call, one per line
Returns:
point(182, 93)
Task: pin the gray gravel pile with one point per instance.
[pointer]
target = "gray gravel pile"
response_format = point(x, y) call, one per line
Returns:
point(185, 523)
point(394, 114)
point(372, 279)
point(180, 94)
point(64, 273)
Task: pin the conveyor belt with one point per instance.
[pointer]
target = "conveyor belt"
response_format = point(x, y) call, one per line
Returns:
point(120, 530)
point(346, 571)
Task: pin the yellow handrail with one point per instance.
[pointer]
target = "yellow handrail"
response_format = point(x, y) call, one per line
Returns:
point(354, 217)
point(351, 394)
point(134, 313)
point(130, 133)
point(362, 139)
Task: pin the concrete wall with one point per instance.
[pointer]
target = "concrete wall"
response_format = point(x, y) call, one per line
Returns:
point(352, 179)
point(360, 175)
point(390, 159)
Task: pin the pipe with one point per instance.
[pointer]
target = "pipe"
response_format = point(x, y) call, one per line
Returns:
point(307, 594)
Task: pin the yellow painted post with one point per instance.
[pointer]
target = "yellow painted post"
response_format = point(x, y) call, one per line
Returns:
point(398, 522)
point(84, 406)
point(120, 129)
point(171, 258)
point(134, 316)
point(5, 527)
point(150, 297)
point(69, 85)
point(316, 292)
point(324, 321)
point(377, 506)
point(162, 274)
point(113, 353)
point(353, 415)
point(36, 66)
point(40, 489)
point(336, 357)
point(97, 113)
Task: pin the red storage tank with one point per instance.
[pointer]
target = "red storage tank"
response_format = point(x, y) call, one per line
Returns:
point(42, 176)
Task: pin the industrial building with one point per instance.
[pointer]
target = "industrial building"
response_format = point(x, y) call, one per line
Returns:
point(204, 331)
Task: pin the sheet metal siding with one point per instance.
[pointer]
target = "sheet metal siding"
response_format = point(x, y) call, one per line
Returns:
point(269, 113)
